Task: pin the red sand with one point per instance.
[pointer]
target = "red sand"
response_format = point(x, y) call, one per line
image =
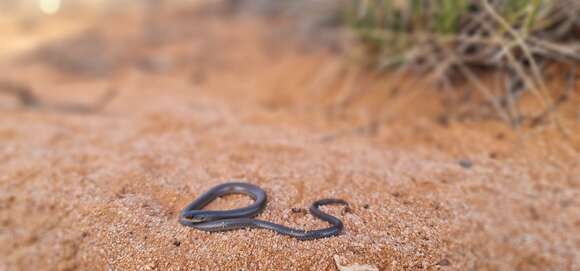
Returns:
point(102, 191)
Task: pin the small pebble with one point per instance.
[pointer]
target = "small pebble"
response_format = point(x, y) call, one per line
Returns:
point(177, 243)
point(464, 163)
point(298, 210)
point(500, 136)
point(346, 210)
point(366, 206)
point(443, 120)
point(444, 262)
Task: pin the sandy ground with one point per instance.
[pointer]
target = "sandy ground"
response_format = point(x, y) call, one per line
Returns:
point(220, 99)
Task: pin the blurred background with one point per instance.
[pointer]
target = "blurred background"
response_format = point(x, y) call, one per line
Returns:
point(495, 53)
point(26, 24)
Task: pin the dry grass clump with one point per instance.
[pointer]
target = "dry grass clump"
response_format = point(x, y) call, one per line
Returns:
point(514, 41)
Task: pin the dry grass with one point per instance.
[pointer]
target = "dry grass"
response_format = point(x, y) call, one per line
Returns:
point(513, 41)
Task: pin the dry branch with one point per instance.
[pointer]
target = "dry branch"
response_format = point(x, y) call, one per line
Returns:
point(27, 99)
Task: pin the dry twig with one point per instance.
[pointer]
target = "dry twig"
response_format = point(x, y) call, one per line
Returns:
point(27, 99)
